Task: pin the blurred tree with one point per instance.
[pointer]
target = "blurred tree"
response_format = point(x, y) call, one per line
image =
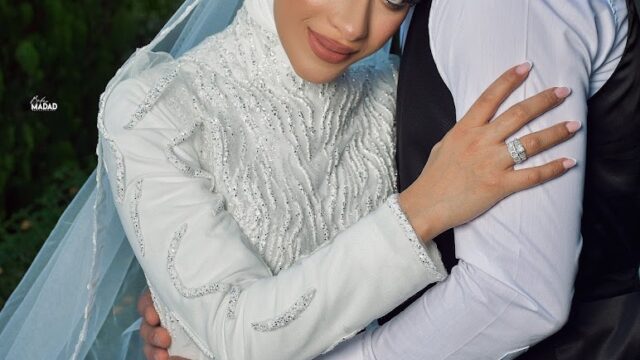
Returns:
point(65, 51)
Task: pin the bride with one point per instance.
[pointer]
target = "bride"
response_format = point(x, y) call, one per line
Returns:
point(253, 176)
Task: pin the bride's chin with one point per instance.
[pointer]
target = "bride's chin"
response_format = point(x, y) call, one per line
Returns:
point(316, 74)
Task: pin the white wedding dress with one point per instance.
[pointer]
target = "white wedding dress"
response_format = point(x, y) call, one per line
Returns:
point(261, 207)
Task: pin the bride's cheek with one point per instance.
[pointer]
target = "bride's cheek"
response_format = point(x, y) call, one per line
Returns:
point(386, 23)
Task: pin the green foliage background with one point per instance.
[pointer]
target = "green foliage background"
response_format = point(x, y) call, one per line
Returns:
point(66, 51)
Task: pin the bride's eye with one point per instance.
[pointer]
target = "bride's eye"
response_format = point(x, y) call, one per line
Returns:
point(396, 5)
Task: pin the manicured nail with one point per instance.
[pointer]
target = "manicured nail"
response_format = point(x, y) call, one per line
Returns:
point(523, 68)
point(569, 163)
point(573, 126)
point(562, 92)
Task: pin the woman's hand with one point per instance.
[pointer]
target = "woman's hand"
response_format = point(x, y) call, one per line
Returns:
point(470, 169)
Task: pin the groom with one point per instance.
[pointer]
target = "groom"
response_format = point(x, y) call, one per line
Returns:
point(512, 285)
point(559, 261)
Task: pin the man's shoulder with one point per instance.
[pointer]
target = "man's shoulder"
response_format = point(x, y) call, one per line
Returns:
point(479, 34)
point(582, 15)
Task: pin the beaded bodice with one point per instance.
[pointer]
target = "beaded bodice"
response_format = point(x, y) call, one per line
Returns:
point(295, 162)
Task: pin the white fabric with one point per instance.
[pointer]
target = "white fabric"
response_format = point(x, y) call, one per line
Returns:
point(262, 12)
point(514, 282)
point(244, 188)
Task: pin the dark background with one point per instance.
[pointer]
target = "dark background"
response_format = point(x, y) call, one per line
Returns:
point(66, 51)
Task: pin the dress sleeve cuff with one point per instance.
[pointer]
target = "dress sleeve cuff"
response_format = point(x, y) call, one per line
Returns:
point(428, 254)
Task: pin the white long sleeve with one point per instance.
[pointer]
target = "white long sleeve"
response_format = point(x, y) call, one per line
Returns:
point(202, 266)
point(514, 281)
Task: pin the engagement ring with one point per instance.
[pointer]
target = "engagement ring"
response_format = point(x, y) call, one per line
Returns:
point(517, 151)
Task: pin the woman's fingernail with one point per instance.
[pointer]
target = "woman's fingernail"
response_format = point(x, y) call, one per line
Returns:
point(573, 126)
point(523, 68)
point(569, 163)
point(562, 92)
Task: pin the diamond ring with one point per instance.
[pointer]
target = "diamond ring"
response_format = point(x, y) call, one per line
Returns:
point(517, 151)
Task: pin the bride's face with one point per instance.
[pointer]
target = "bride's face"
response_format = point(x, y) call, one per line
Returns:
point(322, 38)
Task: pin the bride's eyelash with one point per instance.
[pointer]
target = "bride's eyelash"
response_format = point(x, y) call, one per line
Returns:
point(400, 4)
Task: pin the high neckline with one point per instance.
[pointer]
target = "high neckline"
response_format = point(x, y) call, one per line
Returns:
point(256, 46)
point(262, 12)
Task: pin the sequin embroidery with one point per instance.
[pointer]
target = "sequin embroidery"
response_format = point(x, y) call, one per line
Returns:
point(120, 171)
point(179, 163)
point(152, 97)
point(297, 162)
point(135, 215)
point(188, 292)
point(420, 250)
point(288, 316)
point(119, 159)
point(234, 294)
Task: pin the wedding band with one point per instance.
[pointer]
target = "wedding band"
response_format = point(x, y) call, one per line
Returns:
point(517, 151)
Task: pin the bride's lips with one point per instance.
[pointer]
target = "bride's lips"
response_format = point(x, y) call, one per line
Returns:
point(329, 50)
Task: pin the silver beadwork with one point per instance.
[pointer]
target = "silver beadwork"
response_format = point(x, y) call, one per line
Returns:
point(135, 215)
point(297, 162)
point(288, 316)
point(234, 295)
point(179, 163)
point(120, 171)
point(152, 97)
point(119, 159)
point(517, 151)
point(420, 250)
point(185, 291)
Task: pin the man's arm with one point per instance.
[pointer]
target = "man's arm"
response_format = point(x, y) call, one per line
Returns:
point(514, 282)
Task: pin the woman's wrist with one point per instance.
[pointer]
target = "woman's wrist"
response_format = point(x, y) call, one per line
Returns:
point(424, 219)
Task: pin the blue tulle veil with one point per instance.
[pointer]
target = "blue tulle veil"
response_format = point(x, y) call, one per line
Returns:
point(78, 298)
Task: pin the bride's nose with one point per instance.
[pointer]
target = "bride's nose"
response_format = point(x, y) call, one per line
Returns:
point(351, 18)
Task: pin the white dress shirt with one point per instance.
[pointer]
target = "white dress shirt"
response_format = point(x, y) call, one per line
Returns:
point(513, 284)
